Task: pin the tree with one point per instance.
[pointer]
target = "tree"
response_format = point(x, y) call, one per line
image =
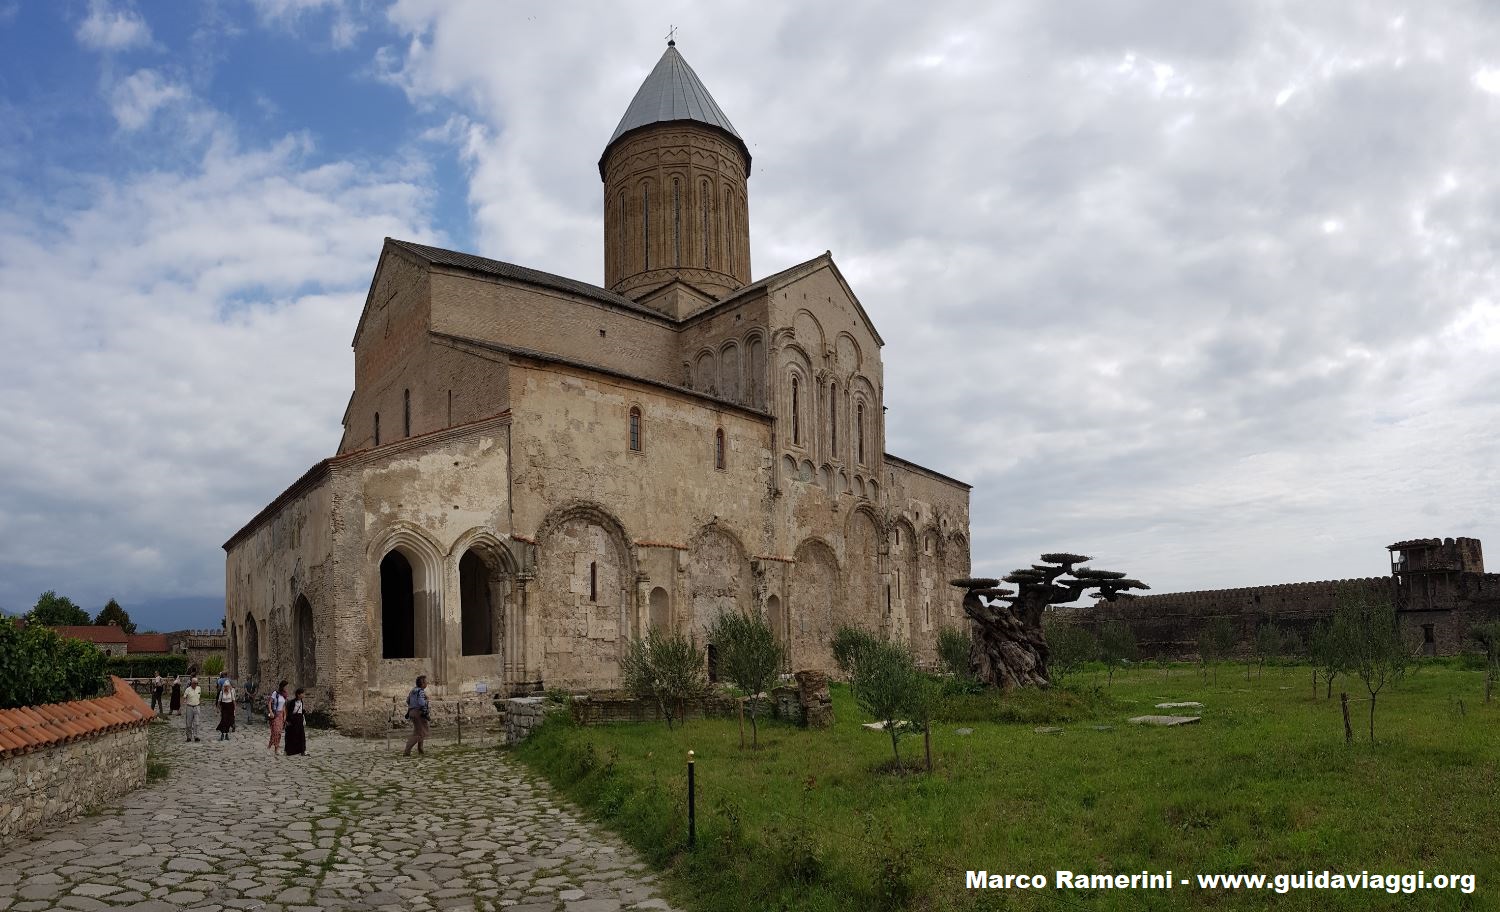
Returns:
point(1117, 646)
point(37, 667)
point(1215, 642)
point(848, 645)
point(884, 682)
point(954, 646)
point(112, 613)
point(667, 668)
point(1010, 649)
point(1269, 643)
point(1326, 657)
point(1487, 635)
point(1069, 647)
point(1368, 634)
point(53, 610)
point(749, 657)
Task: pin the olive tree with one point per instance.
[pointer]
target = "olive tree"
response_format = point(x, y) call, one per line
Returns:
point(749, 657)
point(1367, 632)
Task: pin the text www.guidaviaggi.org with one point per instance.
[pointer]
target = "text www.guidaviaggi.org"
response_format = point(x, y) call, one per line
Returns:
point(1278, 883)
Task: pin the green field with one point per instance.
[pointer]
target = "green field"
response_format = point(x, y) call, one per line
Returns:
point(1264, 784)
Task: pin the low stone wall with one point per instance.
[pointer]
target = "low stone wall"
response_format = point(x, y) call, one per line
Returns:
point(60, 775)
point(482, 711)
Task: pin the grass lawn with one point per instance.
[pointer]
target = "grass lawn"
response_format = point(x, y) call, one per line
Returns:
point(1264, 784)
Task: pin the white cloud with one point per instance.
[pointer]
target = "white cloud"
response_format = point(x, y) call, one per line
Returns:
point(109, 29)
point(137, 98)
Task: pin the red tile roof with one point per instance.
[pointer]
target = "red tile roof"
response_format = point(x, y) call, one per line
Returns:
point(94, 633)
point(146, 642)
point(29, 728)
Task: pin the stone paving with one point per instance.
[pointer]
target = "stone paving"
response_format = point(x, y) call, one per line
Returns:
point(351, 826)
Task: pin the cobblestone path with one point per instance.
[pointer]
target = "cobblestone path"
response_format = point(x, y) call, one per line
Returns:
point(351, 826)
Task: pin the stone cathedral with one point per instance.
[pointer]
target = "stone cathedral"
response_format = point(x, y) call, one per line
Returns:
point(535, 469)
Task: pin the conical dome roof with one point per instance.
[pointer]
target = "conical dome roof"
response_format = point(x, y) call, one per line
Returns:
point(673, 92)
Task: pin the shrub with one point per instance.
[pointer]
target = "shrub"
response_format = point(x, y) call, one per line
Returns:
point(954, 647)
point(1117, 646)
point(667, 668)
point(213, 665)
point(144, 666)
point(887, 685)
point(37, 666)
point(848, 645)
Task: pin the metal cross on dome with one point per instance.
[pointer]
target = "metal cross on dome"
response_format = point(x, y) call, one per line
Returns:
point(672, 36)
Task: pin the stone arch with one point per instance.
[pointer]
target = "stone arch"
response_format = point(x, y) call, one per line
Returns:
point(729, 371)
point(957, 559)
point(825, 478)
point(755, 370)
point(905, 558)
point(847, 353)
point(859, 486)
point(865, 606)
point(718, 578)
point(252, 649)
point(584, 578)
point(809, 330)
point(789, 468)
point(806, 472)
point(304, 643)
point(797, 407)
point(661, 609)
point(705, 372)
point(774, 617)
point(874, 490)
point(420, 581)
point(814, 599)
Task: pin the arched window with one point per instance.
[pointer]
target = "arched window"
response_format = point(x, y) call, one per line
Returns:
point(719, 448)
point(620, 247)
point(676, 224)
point(859, 431)
point(796, 416)
point(703, 196)
point(833, 420)
point(377, 429)
point(646, 224)
point(593, 581)
point(406, 413)
point(635, 430)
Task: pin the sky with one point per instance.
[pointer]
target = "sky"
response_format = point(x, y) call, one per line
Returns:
point(1207, 291)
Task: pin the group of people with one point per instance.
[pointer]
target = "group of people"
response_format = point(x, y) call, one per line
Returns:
point(286, 714)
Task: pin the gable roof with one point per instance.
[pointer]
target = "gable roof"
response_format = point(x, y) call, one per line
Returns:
point(102, 634)
point(785, 277)
point(673, 92)
point(440, 256)
point(146, 642)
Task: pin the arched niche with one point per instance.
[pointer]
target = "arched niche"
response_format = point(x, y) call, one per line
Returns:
point(814, 600)
point(304, 643)
point(661, 609)
point(584, 571)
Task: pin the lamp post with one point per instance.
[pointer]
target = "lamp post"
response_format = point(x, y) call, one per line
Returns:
point(692, 814)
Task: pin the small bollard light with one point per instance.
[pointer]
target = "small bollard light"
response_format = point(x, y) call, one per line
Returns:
point(692, 815)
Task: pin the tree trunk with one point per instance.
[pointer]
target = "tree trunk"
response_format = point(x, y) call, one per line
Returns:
point(1489, 685)
point(890, 726)
point(742, 724)
point(1330, 687)
point(1372, 718)
point(754, 729)
point(1008, 651)
point(927, 743)
point(1315, 685)
point(1348, 729)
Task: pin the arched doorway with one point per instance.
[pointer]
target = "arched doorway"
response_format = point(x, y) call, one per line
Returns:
point(252, 649)
point(398, 617)
point(478, 585)
point(303, 643)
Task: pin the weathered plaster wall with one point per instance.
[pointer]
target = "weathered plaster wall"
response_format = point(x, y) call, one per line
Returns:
point(386, 349)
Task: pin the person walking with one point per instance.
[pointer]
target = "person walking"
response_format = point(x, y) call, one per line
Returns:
point(419, 711)
point(192, 695)
point(158, 690)
point(226, 708)
point(276, 713)
point(176, 705)
point(296, 724)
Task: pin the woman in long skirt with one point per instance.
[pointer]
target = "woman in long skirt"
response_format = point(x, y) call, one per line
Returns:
point(276, 709)
point(226, 709)
point(176, 705)
point(296, 725)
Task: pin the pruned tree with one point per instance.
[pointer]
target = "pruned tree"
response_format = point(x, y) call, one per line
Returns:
point(886, 685)
point(749, 657)
point(112, 613)
point(1215, 643)
point(667, 668)
point(1487, 635)
point(1368, 633)
point(848, 645)
point(1117, 646)
point(1326, 657)
point(1010, 648)
point(1270, 642)
point(1069, 647)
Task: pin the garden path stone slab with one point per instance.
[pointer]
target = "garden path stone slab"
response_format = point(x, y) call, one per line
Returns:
point(1187, 705)
point(351, 827)
point(1166, 720)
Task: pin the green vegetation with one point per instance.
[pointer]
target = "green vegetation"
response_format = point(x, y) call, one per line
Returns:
point(56, 610)
point(145, 666)
point(1117, 647)
point(1264, 784)
point(750, 658)
point(667, 668)
point(1367, 634)
point(213, 665)
point(112, 613)
point(1215, 643)
point(954, 646)
point(1488, 637)
point(37, 666)
point(1069, 648)
point(849, 644)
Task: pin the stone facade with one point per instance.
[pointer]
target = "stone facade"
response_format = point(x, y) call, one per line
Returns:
point(1438, 586)
point(534, 470)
